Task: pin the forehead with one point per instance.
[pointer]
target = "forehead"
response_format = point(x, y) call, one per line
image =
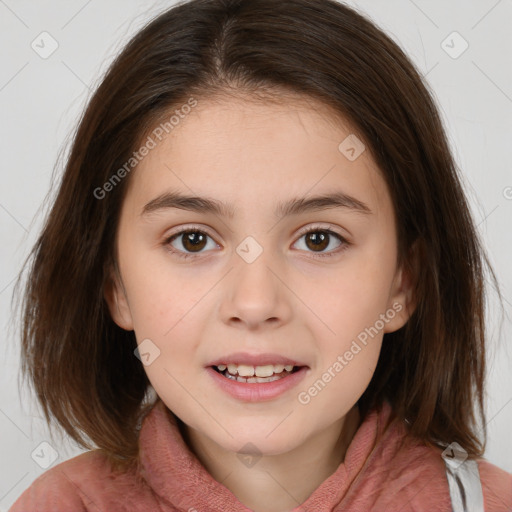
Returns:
point(247, 152)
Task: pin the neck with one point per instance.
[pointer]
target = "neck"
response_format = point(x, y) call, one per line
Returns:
point(277, 483)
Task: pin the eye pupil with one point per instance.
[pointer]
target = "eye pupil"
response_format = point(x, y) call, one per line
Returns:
point(320, 239)
point(195, 239)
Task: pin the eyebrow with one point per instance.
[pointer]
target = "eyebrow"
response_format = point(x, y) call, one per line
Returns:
point(294, 206)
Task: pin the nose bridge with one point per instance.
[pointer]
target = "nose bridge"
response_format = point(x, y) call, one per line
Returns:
point(253, 277)
point(255, 294)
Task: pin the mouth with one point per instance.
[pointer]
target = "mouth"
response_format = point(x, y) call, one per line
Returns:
point(256, 374)
point(257, 384)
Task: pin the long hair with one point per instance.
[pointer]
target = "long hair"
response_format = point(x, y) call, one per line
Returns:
point(82, 365)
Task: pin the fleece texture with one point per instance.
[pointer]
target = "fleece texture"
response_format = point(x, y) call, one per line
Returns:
point(384, 470)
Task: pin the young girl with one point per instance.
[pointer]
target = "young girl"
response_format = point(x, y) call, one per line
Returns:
point(260, 286)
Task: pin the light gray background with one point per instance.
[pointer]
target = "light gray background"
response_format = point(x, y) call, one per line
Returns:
point(41, 99)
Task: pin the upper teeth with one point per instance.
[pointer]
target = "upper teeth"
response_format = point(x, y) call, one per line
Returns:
point(245, 370)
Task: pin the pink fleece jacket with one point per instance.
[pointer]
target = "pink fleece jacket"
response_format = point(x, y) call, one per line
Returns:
point(377, 475)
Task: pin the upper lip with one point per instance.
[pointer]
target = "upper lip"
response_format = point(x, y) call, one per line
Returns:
point(255, 359)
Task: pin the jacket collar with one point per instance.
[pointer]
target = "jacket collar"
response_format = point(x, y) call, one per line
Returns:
point(177, 476)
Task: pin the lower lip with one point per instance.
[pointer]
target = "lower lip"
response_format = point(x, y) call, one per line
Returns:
point(257, 391)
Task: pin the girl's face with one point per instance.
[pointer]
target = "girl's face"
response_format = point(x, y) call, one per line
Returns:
point(247, 279)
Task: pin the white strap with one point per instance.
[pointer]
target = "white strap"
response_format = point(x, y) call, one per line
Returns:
point(463, 480)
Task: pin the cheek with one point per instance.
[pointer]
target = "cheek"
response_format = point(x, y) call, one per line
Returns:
point(160, 293)
point(348, 297)
point(151, 303)
point(342, 378)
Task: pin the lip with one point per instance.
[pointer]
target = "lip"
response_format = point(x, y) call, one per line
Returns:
point(257, 391)
point(255, 359)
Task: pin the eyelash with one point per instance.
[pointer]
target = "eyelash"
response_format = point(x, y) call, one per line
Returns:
point(314, 229)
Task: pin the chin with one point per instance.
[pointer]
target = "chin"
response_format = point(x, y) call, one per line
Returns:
point(258, 441)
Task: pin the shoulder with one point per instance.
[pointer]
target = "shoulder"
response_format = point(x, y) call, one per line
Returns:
point(74, 484)
point(496, 486)
point(54, 489)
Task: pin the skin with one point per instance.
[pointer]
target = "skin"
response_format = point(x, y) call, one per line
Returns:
point(252, 156)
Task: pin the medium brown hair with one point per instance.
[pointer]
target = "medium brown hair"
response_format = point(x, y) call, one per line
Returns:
point(82, 365)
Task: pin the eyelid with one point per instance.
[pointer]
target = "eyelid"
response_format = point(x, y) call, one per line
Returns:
point(320, 227)
point(191, 227)
point(302, 231)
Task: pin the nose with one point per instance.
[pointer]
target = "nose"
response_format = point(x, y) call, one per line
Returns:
point(256, 295)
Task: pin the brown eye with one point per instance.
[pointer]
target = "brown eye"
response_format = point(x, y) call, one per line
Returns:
point(189, 242)
point(317, 240)
point(193, 241)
